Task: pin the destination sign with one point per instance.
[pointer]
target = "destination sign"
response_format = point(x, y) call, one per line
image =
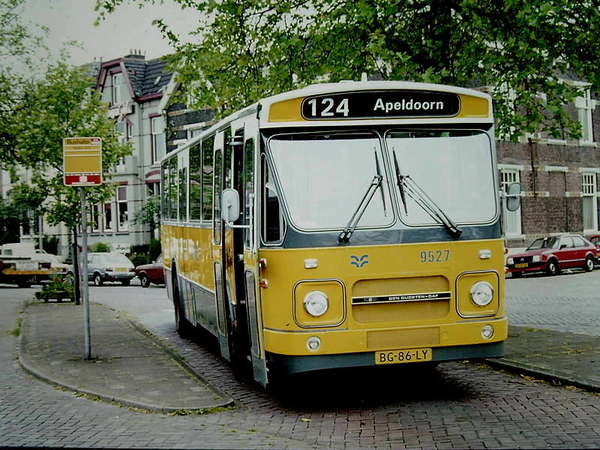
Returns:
point(380, 105)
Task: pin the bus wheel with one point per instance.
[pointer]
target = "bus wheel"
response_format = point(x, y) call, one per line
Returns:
point(182, 325)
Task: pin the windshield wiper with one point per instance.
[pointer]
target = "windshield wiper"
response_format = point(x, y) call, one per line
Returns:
point(400, 183)
point(362, 206)
point(420, 197)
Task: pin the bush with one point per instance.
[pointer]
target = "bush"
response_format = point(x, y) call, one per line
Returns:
point(100, 247)
point(154, 249)
point(50, 244)
point(139, 258)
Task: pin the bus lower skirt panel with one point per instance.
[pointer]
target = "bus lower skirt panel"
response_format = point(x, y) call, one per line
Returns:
point(286, 364)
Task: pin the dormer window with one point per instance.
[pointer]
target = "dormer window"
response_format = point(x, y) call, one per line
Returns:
point(118, 89)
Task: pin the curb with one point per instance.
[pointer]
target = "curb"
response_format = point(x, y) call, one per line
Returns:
point(542, 374)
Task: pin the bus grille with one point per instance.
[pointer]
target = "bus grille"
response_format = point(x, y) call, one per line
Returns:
point(394, 311)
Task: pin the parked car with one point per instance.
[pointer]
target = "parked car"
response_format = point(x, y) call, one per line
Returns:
point(551, 254)
point(596, 241)
point(151, 273)
point(108, 267)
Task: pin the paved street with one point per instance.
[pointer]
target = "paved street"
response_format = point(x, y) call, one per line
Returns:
point(458, 406)
point(568, 302)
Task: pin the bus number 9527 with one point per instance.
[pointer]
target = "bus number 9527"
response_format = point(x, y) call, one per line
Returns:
point(435, 256)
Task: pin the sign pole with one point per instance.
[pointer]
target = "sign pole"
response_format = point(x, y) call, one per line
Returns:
point(84, 278)
point(82, 166)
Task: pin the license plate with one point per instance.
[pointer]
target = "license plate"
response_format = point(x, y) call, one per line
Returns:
point(408, 355)
point(521, 265)
point(121, 269)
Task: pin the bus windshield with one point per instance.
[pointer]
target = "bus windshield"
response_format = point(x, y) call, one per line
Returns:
point(438, 162)
point(326, 176)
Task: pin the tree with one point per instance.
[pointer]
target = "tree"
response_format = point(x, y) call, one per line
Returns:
point(12, 216)
point(63, 104)
point(17, 46)
point(149, 214)
point(247, 50)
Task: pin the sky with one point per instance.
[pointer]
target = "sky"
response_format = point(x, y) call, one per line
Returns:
point(128, 28)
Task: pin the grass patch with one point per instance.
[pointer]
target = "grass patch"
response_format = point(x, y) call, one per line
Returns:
point(198, 412)
point(17, 331)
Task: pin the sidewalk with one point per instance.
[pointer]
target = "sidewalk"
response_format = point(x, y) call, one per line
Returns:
point(128, 366)
point(565, 358)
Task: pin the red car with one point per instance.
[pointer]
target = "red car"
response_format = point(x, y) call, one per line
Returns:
point(596, 241)
point(151, 273)
point(551, 254)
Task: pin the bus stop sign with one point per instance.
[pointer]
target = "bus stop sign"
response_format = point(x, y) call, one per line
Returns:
point(82, 161)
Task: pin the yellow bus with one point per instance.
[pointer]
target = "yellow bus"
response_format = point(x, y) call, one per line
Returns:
point(340, 225)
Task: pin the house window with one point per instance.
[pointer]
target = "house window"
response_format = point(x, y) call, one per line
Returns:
point(589, 201)
point(585, 105)
point(108, 217)
point(129, 131)
point(511, 219)
point(122, 208)
point(94, 224)
point(118, 89)
point(158, 138)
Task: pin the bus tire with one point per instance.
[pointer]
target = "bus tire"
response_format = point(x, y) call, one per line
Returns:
point(182, 325)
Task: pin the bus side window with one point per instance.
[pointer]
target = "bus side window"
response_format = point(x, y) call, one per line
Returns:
point(248, 187)
point(207, 176)
point(271, 228)
point(217, 188)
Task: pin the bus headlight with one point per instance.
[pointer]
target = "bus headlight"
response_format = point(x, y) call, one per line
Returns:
point(482, 293)
point(316, 303)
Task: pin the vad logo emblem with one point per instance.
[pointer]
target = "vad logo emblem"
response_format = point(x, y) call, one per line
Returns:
point(359, 261)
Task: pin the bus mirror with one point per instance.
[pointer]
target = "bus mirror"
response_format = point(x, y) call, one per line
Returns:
point(513, 196)
point(230, 205)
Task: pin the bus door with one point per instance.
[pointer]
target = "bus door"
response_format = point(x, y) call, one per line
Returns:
point(249, 257)
point(219, 250)
point(231, 278)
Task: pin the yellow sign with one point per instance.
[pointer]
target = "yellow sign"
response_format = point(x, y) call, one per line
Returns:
point(82, 161)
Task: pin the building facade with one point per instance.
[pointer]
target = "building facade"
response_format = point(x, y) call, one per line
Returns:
point(133, 88)
point(559, 179)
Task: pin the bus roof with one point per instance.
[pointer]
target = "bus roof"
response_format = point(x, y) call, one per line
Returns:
point(375, 102)
point(362, 103)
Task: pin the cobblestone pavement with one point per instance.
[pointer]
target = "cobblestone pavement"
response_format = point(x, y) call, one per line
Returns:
point(459, 405)
point(569, 302)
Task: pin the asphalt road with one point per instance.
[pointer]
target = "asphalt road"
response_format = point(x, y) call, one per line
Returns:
point(459, 405)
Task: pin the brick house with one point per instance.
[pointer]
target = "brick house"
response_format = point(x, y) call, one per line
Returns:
point(559, 179)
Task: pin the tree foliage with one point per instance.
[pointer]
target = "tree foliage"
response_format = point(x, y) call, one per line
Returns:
point(246, 50)
point(17, 46)
point(149, 213)
point(12, 216)
point(62, 104)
